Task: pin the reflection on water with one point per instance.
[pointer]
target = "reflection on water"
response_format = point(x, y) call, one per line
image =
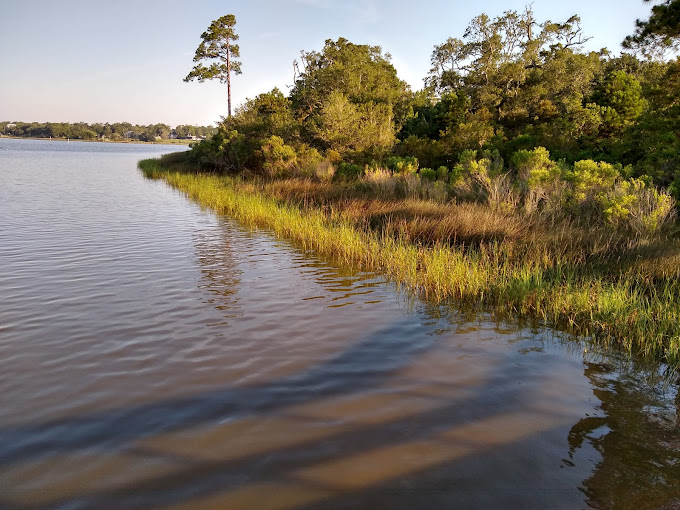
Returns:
point(637, 434)
point(159, 357)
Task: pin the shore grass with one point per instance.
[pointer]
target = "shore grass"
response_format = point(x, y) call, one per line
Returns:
point(620, 294)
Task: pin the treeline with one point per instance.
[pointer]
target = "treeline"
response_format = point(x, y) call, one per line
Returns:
point(106, 131)
point(511, 93)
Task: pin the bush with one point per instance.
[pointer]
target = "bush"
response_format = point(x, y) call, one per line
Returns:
point(428, 174)
point(483, 180)
point(538, 177)
point(333, 156)
point(225, 151)
point(278, 158)
point(380, 180)
point(308, 159)
point(348, 172)
point(409, 184)
point(428, 152)
point(634, 206)
point(590, 178)
point(325, 170)
point(436, 191)
point(405, 165)
point(443, 174)
point(652, 211)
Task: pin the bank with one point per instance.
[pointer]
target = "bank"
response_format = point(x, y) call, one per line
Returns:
point(596, 285)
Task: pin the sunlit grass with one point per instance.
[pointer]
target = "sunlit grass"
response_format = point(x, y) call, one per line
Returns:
point(583, 282)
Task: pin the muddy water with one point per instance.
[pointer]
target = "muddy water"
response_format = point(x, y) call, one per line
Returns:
point(153, 355)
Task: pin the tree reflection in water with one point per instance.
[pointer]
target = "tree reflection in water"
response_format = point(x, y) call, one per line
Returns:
point(637, 434)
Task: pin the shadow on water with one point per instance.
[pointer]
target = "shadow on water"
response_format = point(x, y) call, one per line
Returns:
point(443, 454)
point(352, 432)
point(420, 413)
point(365, 363)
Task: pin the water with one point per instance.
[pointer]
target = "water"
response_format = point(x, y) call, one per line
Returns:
point(153, 355)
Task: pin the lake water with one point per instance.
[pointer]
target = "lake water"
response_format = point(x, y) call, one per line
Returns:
point(155, 355)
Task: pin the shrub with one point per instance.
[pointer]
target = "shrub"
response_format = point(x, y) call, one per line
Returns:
point(590, 178)
point(325, 170)
point(428, 152)
point(428, 174)
point(538, 176)
point(483, 180)
point(632, 204)
point(435, 191)
point(652, 211)
point(443, 174)
point(225, 151)
point(333, 156)
point(278, 158)
point(308, 158)
point(456, 175)
point(410, 184)
point(405, 165)
point(348, 172)
point(617, 201)
point(380, 180)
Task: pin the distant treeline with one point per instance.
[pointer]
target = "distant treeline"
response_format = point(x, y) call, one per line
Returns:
point(115, 131)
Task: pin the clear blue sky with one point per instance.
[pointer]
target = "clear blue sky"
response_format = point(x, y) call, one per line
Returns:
point(92, 61)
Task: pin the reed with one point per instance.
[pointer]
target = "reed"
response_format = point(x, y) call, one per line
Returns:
point(591, 284)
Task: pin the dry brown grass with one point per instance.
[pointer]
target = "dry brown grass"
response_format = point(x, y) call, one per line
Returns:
point(428, 223)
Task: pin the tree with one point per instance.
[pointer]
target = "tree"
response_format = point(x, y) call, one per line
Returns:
point(349, 90)
point(218, 44)
point(660, 31)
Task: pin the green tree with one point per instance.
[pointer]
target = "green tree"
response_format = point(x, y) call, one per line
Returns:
point(621, 97)
point(519, 78)
point(217, 44)
point(661, 31)
point(268, 114)
point(351, 84)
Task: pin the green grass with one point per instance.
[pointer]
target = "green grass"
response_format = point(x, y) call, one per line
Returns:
point(615, 298)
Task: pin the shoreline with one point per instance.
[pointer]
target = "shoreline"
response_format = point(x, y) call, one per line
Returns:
point(139, 142)
point(626, 307)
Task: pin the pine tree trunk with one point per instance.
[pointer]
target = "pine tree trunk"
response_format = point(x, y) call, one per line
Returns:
point(228, 81)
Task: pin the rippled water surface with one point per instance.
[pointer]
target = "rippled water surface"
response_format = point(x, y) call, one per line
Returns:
point(153, 355)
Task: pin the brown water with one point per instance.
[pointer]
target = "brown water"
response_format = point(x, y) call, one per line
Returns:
point(153, 355)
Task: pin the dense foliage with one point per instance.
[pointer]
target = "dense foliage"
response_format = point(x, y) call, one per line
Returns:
point(106, 131)
point(511, 90)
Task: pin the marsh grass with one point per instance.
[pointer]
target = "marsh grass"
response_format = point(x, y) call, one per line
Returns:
point(620, 292)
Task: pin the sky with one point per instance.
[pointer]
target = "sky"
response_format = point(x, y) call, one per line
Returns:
point(125, 60)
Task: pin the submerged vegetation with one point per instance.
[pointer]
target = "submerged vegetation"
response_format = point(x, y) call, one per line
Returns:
point(528, 175)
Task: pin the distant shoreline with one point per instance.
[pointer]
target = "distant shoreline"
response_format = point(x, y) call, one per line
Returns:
point(174, 141)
